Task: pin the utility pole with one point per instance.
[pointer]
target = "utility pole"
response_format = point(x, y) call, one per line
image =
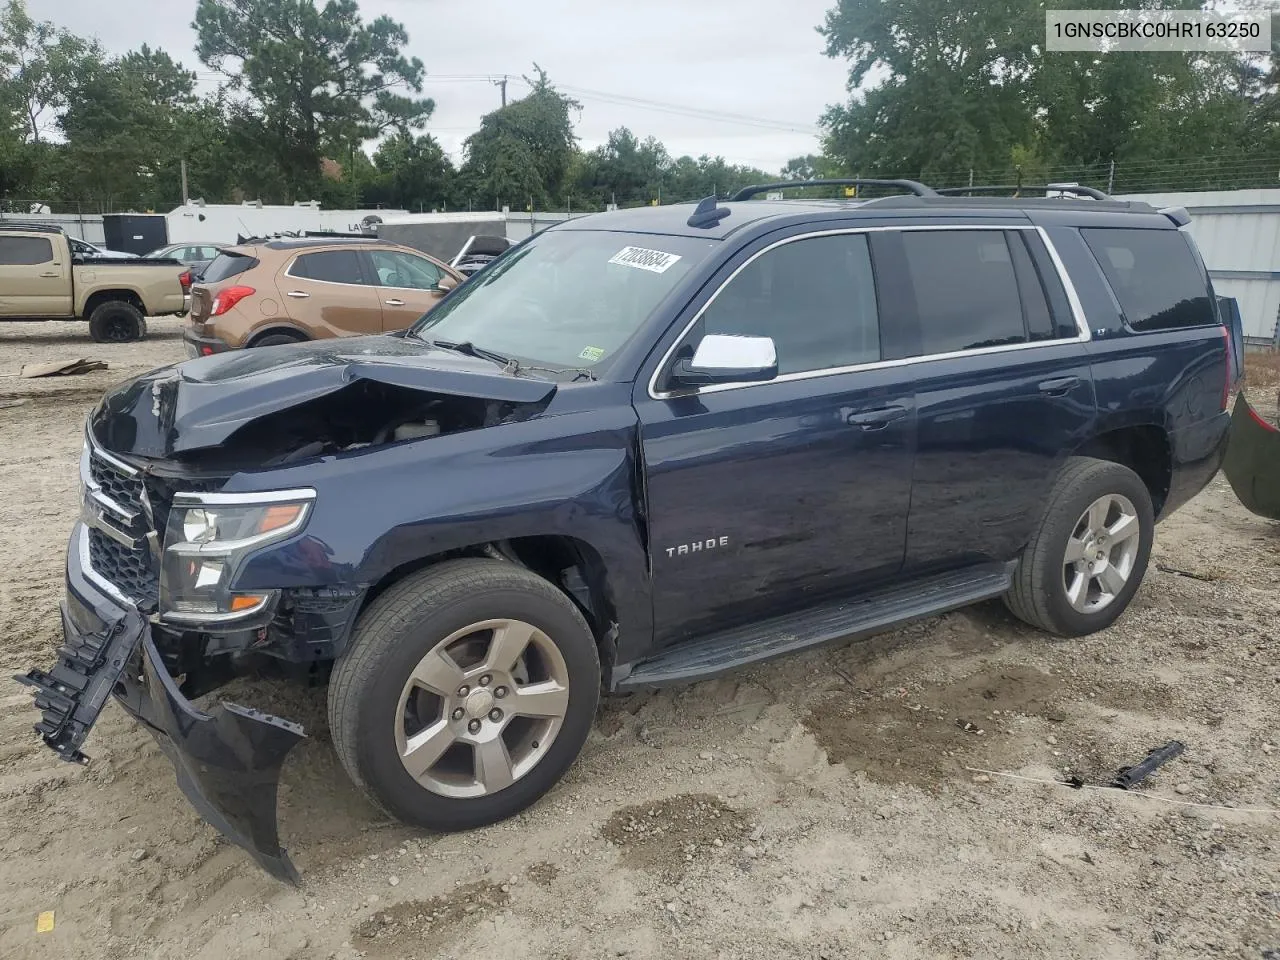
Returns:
point(182, 162)
point(503, 84)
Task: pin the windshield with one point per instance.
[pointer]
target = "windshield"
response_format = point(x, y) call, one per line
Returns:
point(567, 298)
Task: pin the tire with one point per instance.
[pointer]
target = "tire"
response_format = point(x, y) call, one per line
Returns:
point(117, 321)
point(1041, 593)
point(371, 721)
point(276, 340)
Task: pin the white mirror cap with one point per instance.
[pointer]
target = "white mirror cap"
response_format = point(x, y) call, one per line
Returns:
point(720, 351)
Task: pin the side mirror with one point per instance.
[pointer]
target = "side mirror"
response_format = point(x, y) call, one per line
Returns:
point(722, 358)
point(446, 283)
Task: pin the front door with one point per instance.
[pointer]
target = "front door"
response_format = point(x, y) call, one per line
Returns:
point(407, 284)
point(764, 498)
point(34, 282)
point(329, 294)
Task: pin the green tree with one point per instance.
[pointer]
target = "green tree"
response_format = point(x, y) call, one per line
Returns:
point(126, 127)
point(38, 64)
point(413, 173)
point(317, 77)
point(625, 169)
point(522, 152)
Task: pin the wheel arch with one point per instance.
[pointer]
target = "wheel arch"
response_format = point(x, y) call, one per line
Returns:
point(1144, 448)
point(123, 294)
point(571, 564)
point(276, 328)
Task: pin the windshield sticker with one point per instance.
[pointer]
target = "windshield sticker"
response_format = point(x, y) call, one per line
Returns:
point(591, 354)
point(655, 261)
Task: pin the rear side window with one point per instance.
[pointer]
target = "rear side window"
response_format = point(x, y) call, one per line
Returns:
point(25, 251)
point(965, 289)
point(1154, 276)
point(815, 298)
point(227, 265)
point(331, 266)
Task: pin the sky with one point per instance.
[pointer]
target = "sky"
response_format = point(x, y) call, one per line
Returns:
point(759, 60)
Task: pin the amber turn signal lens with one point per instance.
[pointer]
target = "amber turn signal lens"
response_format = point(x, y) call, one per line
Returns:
point(246, 601)
point(279, 516)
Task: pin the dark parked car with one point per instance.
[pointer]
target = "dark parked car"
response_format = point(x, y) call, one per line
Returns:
point(642, 448)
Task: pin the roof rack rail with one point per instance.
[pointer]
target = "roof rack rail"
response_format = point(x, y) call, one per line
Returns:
point(911, 186)
point(1017, 188)
point(6, 224)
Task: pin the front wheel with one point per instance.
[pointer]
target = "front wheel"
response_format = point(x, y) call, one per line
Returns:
point(1088, 557)
point(468, 690)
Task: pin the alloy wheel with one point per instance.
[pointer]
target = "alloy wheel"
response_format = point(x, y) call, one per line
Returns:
point(482, 708)
point(1101, 553)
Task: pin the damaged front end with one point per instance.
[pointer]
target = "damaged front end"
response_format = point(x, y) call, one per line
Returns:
point(227, 761)
point(1252, 463)
point(153, 612)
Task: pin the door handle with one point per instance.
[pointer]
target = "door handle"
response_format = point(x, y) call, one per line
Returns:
point(394, 303)
point(876, 419)
point(297, 295)
point(1059, 386)
point(54, 274)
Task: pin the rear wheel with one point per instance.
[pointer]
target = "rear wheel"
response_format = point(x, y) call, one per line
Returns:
point(467, 691)
point(276, 340)
point(1088, 557)
point(117, 321)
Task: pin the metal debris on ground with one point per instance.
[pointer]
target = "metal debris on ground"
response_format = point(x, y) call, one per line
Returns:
point(61, 368)
point(1127, 777)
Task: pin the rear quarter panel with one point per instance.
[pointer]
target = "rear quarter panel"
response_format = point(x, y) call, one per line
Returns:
point(1173, 379)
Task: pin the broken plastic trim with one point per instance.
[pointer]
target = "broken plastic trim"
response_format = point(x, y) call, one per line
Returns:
point(1252, 463)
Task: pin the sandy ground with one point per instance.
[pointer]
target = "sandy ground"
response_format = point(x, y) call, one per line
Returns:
point(817, 807)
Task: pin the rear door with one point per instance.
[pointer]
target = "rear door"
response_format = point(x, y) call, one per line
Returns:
point(1003, 390)
point(329, 293)
point(407, 284)
point(34, 279)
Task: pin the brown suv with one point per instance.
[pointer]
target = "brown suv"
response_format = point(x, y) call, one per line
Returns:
point(287, 290)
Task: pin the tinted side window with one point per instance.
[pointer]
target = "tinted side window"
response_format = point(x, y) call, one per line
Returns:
point(965, 289)
point(1154, 276)
point(25, 251)
point(333, 266)
point(815, 298)
point(227, 265)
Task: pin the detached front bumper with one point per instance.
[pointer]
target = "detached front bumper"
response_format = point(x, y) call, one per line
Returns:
point(227, 761)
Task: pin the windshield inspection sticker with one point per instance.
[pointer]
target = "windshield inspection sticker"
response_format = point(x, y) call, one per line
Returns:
point(655, 261)
point(591, 354)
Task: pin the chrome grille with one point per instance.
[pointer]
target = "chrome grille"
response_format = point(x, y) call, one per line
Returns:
point(122, 487)
point(132, 572)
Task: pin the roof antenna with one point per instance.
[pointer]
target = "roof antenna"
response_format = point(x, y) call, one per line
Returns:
point(707, 214)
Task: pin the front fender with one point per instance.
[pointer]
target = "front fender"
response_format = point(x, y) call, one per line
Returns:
point(573, 475)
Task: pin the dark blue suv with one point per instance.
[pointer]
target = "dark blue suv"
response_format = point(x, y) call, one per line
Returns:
point(640, 448)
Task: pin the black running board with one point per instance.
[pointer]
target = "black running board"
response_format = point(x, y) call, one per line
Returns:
point(847, 619)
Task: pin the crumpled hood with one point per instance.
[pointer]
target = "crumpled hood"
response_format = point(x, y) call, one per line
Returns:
point(199, 403)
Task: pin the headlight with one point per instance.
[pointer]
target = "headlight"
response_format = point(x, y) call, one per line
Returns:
point(206, 541)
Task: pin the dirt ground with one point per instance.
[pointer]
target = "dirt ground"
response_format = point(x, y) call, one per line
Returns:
point(817, 807)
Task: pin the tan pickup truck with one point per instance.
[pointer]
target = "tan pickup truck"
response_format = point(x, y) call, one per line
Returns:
point(40, 279)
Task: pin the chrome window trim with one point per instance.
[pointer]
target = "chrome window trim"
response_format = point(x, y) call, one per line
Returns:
point(1077, 311)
